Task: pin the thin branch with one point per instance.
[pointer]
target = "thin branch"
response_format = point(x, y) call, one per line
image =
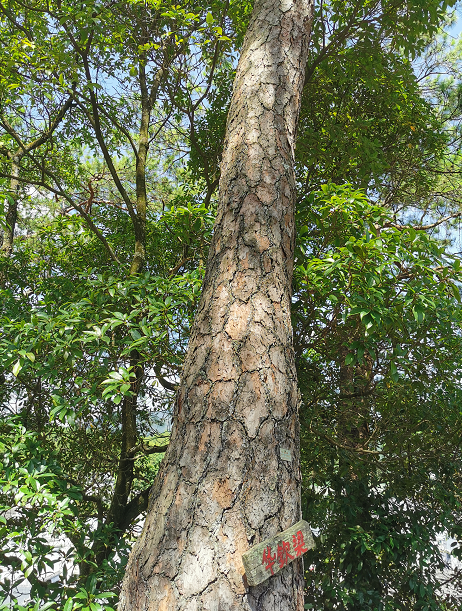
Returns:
point(155, 86)
point(349, 448)
point(163, 382)
point(12, 19)
point(425, 227)
point(134, 508)
point(173, 272)
point(76, 207)
point(210, 79)
point(96, 123)
point(108, 116)
point(24, 149)
point(146, 450)
point(338, 38)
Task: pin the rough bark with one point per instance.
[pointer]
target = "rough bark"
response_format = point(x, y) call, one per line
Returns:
point(222, 486)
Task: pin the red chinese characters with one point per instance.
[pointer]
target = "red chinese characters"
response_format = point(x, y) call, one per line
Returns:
point(270, 556)
point(299, 543)
point(268, 559)
point(283, 554)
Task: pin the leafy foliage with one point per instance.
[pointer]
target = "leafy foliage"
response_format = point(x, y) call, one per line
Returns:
point(68, 333)
point(378, 340)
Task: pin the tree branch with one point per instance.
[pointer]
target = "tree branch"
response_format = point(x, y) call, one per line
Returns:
point(344, 447)
point(163, 382)
point(424, 227)
point(24, 149)
point(96, 123)
point(135, 508)
point(147, 450)
point(76, 207)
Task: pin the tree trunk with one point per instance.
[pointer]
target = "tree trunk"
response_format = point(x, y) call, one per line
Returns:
point(11, 217)
point(222, 486)
point(12, 213)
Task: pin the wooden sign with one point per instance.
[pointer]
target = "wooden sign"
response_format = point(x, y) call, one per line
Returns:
point(270, 556)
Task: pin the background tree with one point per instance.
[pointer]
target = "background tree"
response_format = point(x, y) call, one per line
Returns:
point(75, 42)
point(377, 372)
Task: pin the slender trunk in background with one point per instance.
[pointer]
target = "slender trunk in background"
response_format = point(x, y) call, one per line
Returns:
point(12, 210)
point(119, 506)
point(11, 217)
point(222, 486)
point(139, 222)
point(125, 475)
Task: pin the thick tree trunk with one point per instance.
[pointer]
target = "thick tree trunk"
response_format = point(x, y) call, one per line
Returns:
point(222, 486)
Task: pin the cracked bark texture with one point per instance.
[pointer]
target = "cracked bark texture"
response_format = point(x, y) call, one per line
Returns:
point(222, 486)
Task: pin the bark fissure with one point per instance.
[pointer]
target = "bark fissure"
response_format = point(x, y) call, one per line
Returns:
point(222, 486)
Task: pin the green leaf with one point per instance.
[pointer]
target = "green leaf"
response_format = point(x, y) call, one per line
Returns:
point(28, 571)
point(419, 313)
point(105, 595)
point(455, 291)
point(82, 594)
point(69, 604)
point(17, 368)
point(135, 334)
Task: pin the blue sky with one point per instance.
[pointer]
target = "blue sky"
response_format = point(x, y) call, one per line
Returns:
point(457, 28)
